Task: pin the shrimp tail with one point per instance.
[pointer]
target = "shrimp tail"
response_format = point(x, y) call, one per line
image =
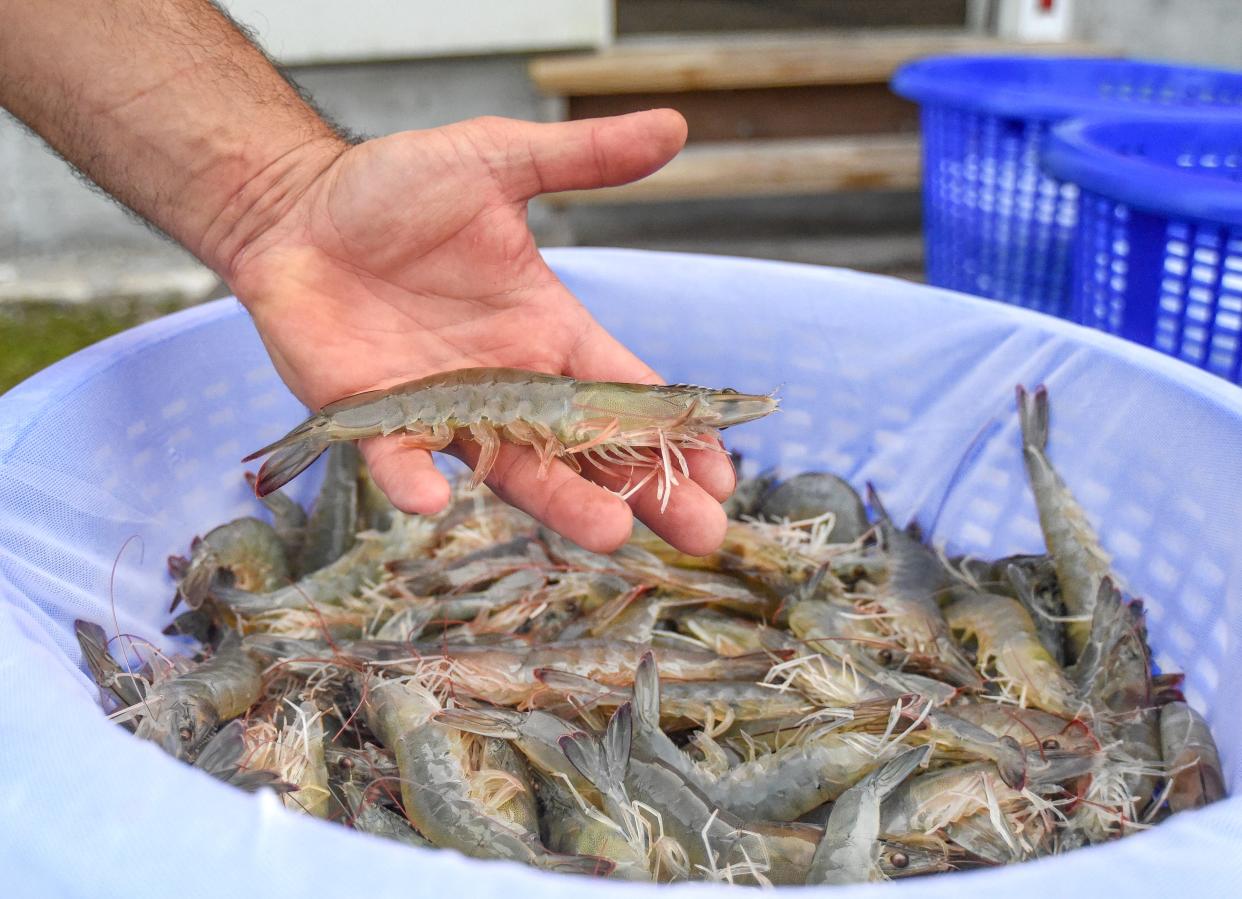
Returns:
point(647, 693)
point(603, 762)
point(290, 455)
point(94, 643)
point(1033, 417)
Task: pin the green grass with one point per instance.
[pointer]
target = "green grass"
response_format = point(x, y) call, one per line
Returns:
point(35, 334)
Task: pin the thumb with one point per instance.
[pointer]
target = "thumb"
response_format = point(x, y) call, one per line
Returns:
point(595, 152)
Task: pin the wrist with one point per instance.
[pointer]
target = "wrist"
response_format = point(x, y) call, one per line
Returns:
point(261, 194)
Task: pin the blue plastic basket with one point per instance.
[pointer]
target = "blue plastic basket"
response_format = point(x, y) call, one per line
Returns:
point(1158, 255)
point(995, 224)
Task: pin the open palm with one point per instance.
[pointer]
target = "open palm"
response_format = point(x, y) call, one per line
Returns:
point(411, 255)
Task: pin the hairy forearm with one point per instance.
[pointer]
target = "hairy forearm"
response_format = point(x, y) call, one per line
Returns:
point(169, 108)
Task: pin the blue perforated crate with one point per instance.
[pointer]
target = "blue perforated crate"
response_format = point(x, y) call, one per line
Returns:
point(995, 224)
point(1158, 255)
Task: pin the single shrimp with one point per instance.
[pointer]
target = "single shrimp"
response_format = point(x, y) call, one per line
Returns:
point(503, 782)
point(434, 783)
point(296, 753)
point(931, 802)
point(1010, 654)
point(713, 704)
point(362, 564)
point(181, 713)
point(226, 757)
point(288, 519)
point(113, 681)
point(609, 423)
point(1072, 543)
point(368, 816)
point(536, 734)
point(334, 517)
point(1190, 757)
point(576, 827)
point(1035, 729)
point(813, 494)
point(849, 851)
point(917, 581)
point(712, 840)
point(247, 548)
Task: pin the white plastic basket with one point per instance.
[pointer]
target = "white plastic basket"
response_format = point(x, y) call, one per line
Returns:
point(124, 451)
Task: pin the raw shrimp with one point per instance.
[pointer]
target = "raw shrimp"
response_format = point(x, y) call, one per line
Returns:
point(849, 851)
point(1010, 654)
point(630, 425)
point(714, 842)
point(247, 548)
point(573, 826)
point(1075, 550)
point(334, 518)
point(536, 734)
point(181, 713)
point(434, 787)
point(226, 757)
point(361, 565)
point(1190, 757)
point(124, 687)
point(368, 816)
point(917, 581)
point(813, 494)
point(712, 704)
point(288, 519)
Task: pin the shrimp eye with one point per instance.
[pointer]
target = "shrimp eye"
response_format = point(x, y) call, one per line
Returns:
point(185, 734)
point(1051, 743)
point(728, 390)
point(900, 860)
point(886, 656)
point(347, 763)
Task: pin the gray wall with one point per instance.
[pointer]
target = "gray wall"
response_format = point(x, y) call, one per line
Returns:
point(1208, 32)
point(45, 209)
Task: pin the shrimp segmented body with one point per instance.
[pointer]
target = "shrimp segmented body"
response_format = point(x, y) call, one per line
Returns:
point(635, 426)
point(1009, 644)
point(1072, 542)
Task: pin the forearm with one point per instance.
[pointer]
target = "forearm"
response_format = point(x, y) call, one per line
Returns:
point(169, 108)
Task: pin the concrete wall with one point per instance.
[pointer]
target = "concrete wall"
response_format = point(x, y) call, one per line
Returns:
point(301, 32)
point(1207, 32)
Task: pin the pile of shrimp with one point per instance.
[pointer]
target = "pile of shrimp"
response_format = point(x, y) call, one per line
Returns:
point(825, 699)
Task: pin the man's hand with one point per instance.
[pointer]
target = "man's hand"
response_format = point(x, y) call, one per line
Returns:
point(410, 255)
point(363, 266)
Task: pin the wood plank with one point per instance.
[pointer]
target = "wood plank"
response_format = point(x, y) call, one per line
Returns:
point(682, 16)
point(766, 113)
point(658, 65)
point(771, 168)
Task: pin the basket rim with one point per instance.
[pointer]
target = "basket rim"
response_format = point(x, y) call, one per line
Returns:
point(984, 83)
point(1082, 151)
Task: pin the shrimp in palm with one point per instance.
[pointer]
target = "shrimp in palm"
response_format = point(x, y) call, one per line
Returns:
point(634, 426)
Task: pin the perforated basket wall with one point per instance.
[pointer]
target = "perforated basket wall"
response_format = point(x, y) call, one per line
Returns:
point(995, 224)
point(1159, 237)
point(123, 452)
